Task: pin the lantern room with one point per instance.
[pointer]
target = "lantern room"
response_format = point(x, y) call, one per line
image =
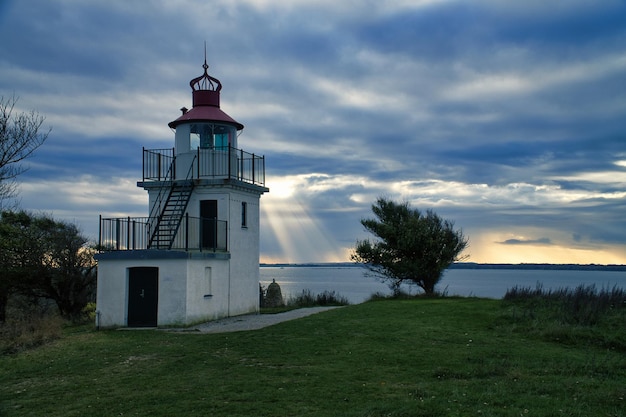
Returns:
point(205, 126)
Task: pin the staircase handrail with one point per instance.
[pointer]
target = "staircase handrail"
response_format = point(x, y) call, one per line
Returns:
point(188, 178)
point(161, 202)
point(163, 191)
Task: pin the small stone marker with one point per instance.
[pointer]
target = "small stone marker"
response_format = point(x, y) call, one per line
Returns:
point(274, 296)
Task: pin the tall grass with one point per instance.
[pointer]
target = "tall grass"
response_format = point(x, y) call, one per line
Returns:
point(308, 299)
point(566, 315)
point(26, 332)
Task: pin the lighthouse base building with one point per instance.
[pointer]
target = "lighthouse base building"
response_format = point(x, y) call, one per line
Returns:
point(195, 257)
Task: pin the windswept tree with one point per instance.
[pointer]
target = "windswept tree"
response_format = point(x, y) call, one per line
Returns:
point(411, 246)
point(20, 136)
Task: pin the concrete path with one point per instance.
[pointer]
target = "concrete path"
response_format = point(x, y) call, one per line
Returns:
point(252, 321)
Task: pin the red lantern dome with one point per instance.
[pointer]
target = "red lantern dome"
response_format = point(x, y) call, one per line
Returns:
point(206, 102)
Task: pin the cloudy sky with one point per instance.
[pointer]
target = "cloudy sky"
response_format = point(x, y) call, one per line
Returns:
point(507, 117)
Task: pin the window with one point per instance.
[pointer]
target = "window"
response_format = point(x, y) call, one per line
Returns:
point(211, 136)
point(221, 136)
point(221, 141)
point(201, 135)
point(244, 214)
point(208, 283)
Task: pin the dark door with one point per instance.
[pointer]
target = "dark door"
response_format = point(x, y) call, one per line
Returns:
point(143, 292)
point(208, 215)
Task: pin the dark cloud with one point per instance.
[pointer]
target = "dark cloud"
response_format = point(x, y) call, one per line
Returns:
point(540, 241)
point(100, 157)
point(563, 27)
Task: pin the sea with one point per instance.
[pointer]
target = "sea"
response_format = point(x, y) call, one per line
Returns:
point(355, 284)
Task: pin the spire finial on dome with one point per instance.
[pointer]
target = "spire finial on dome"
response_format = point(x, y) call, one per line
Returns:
point(205, 65)
point(205, 81)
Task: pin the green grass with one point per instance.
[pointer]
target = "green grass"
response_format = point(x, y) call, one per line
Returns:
point(424, 357)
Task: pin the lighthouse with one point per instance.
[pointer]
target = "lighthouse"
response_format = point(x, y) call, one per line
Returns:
point(195, 256)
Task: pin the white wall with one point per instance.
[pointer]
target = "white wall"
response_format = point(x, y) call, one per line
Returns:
point(186, 295)
point(183, 284)
point(243, 243)
point(112, 290)
point(111, 295)
point(244, 249)
point(207, 302)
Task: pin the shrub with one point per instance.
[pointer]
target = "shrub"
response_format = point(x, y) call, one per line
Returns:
point(400, 294)
point(89, 311)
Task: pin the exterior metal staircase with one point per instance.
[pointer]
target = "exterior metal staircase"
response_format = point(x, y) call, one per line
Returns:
point(172, 202)
point(169, 221)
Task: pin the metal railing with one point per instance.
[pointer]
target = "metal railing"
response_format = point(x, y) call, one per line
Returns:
point(158, 164)
point(133, 233)
point(164, 190)
point(212, 163)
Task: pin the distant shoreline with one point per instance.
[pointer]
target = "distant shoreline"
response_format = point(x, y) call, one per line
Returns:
point(464, 265)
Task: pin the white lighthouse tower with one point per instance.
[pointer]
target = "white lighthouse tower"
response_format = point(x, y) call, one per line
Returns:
point(195, 257)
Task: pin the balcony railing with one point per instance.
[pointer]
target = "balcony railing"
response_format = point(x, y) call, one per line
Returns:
point(213, 163)
point(133, 233)
point(156, 164)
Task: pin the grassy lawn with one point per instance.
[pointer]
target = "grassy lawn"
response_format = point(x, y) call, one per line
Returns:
point(426, 357)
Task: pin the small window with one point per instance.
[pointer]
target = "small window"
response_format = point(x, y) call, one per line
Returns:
point(208, 283)
point(201, 135)
point(221, 141)
point(244, 214)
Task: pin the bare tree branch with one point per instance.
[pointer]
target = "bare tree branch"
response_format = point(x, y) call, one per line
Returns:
point(20, 136)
